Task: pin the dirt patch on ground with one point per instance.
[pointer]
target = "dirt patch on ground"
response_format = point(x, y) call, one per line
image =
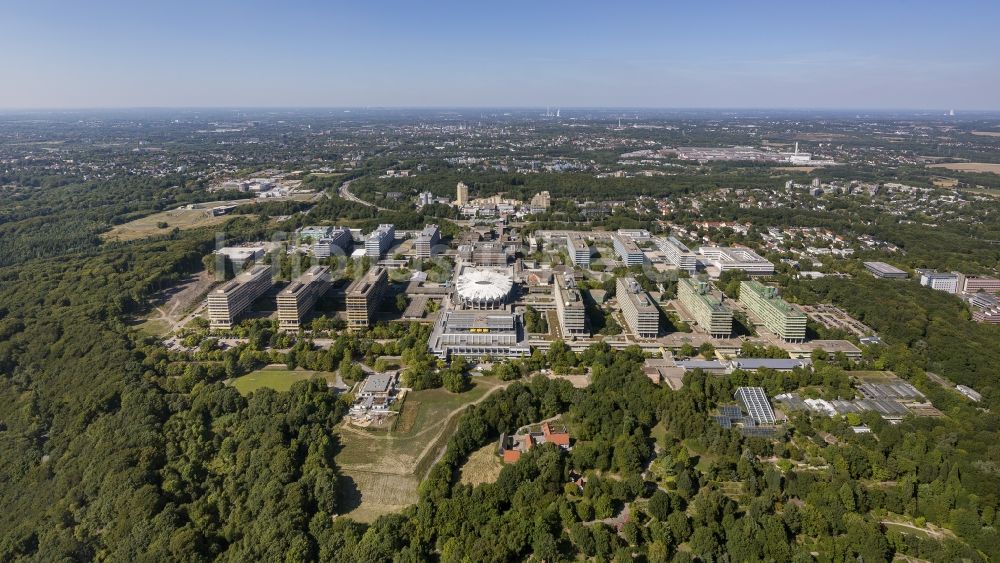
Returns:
point(968, 166)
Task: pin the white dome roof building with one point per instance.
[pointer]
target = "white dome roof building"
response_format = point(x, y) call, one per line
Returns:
point(483, 289)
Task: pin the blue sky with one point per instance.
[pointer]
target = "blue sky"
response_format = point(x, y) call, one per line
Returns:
point(873, 54)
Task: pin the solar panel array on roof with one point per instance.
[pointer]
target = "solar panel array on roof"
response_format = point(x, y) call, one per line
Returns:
point(731, 411)
point(755, 401)
point(724, 421)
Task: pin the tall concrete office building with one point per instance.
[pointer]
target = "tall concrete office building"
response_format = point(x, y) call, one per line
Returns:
point(579, 250)
point(677, 253)
point(707, 309)
point(569, 306)
point(380, 241)
point(461, 194)
point(364, 296)
point(780, 317)
point(423, 247)
point(296, 300)
point(641, 314)
point(235, 296)
point(628, 250)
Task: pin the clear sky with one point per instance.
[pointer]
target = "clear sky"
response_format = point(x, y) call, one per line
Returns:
point(913, 54)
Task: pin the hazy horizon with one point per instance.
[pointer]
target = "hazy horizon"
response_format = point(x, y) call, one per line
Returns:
point(852, 56)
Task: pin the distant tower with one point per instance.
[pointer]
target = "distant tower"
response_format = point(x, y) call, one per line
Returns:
point(796, 147)
point(461, 194)
point(557, 112)
point(951, 113)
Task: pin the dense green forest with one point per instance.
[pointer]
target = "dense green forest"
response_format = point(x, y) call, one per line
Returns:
point(112, 451)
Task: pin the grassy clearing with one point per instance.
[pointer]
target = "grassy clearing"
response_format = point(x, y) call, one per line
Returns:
point(968, 166)
point(276, 378)
point(153, 327)
point(483, 466)
point(387, 466)
point(182, 219)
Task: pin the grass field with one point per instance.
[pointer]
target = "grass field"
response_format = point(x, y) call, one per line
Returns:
point(483, 466)
point(182, 219)
point(968, 166)
point(386, 467)
point(276, 378)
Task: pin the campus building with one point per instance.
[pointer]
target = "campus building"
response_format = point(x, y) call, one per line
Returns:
point(780, 317)
point(736, 258)
point(579, 250)
point(364, 296)
point(539, 202)
point(569, 306)
point(461, 194)
point(423, 247)
point(677, 253)
point(380, 241)
point(628, 250)
point(484, 253)
point(885, 271)
point(235, 296)
point(706, 309)
point(333, 241)
point(974, 284)
point(946, 281)
point(642, 316)
point(296, 300)
point(479, 333)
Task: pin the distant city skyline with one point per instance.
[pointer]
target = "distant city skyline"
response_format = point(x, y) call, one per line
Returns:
point(852, 55)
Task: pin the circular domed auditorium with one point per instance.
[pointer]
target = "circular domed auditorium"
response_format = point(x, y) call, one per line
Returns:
point(483, 289)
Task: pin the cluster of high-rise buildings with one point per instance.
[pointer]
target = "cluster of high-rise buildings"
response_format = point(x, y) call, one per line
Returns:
point(233, 298)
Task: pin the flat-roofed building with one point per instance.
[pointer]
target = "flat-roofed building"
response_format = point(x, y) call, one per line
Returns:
point(235, 296)
point(641, 314)
point(315, 232)
point(707, 309)
point(540, 202)
point(639, 235)
point(334, 239)
point(780, 317)
point(628, 250)
point(496, 333)
point(579, 250)
point(885, 271)
point(238, 256)
point(380, 241)
point(736, 258)
point(569, 306)
point(487, 253)
point(973, 284)
point(423, 247)
point(677, 253)
point(941, 281)
point(364, 296)
point(296, 300)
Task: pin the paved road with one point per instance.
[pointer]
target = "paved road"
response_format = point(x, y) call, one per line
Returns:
point(344, 191)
